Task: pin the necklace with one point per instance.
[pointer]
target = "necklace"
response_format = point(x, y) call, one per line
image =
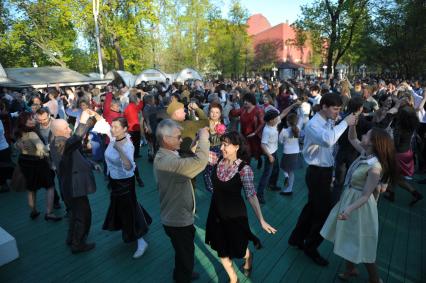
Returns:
point(120, 139)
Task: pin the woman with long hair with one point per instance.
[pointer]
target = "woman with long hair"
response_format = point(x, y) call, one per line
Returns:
point(227, 229)
point(353, 224)
point(291, 159)
point(406, 123)
point(34, 164)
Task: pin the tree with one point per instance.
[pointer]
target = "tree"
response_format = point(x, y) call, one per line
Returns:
point(338, 22)
point(265, 55)
point(398, 37)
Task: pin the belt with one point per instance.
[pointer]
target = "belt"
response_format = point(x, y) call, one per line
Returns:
point(320, 167)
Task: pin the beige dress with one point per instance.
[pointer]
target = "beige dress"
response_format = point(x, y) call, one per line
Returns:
point(355, 239)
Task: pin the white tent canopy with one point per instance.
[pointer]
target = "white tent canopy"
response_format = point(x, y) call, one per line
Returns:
point(127, 77)
point(188, 74)
point(42, 77)
point(151, 75)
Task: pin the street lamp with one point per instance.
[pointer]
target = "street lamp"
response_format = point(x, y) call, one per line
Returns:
point(274, 69)
point(98, 42)
point(325, 71)
point(363, 67)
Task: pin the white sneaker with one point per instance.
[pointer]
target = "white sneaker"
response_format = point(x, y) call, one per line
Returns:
point(140, 252)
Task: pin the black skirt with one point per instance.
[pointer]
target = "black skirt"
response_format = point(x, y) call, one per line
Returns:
point(124, 212)
point(291, 162)
point(36, 171)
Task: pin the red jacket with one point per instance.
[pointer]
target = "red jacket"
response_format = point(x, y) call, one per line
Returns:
point(108, 114)
point(131, 113)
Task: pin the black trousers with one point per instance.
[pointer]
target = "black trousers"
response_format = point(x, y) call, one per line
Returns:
point(344, 159)
point(315, 212)
point(183, 243)
point(80, 221)
point(136, 140)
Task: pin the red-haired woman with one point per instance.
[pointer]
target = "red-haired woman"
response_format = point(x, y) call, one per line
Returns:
point(353, 224)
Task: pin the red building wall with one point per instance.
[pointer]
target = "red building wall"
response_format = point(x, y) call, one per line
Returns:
point(282, 35)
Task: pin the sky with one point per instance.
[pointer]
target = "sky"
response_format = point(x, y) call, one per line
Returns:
point(276, 11)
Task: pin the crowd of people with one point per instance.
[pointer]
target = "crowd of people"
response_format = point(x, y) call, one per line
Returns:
point(215, 129)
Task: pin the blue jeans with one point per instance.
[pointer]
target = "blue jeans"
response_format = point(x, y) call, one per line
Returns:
point(269, 175)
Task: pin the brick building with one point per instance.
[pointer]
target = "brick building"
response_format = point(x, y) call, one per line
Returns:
point(282, 36)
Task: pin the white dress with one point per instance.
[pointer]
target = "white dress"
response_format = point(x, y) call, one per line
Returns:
point(355, 239)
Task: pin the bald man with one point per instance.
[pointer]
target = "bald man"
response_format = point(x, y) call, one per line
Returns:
point(75, 176)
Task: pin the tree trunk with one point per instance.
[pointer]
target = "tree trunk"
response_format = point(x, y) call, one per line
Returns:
point(120, 58)
point(331, 46)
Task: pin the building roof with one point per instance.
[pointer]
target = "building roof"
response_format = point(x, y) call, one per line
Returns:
point(256, 24)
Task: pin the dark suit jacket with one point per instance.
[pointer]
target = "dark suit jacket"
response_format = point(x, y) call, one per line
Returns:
point(75, 171)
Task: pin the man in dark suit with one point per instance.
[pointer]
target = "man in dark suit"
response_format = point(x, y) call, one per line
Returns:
point(76, 177)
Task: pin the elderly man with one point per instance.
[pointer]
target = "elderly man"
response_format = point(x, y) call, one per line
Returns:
point(177, 199)
point(44, 122)
point(76, 177)
point(176, 111)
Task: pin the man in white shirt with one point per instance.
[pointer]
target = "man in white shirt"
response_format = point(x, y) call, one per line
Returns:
point(320, 137)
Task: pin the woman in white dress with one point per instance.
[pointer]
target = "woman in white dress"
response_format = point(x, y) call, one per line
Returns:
point(353, 224)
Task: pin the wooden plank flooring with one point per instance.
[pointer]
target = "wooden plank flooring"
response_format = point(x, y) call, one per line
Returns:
point(44, 257)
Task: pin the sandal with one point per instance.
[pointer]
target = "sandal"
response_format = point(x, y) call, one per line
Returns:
point(247, 271)
point(345, 276)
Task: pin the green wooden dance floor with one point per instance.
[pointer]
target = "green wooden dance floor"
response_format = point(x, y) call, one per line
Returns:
point(44, 257)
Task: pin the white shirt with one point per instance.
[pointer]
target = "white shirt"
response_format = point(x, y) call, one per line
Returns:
point(290, 143)
point(270, 138)
point(417, 100)
point(3, 142)
point(320, 138)
point(315, 100)
point(114, 163)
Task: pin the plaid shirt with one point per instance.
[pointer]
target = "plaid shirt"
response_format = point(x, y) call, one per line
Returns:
point(227, 173)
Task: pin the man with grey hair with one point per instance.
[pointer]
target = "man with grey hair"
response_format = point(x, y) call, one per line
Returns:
point(177, 200)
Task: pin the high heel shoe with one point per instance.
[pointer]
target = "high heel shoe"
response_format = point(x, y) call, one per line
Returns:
point(247, 271)
point(34, 214)
point(345, 276)
point(52, 217)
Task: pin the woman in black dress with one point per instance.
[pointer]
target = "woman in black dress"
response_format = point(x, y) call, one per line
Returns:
point(124, 212)
point(34, 163)
point(227, 229)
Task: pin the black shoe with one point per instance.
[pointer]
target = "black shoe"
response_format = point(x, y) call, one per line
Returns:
point(57, 205)
point(295, 244)
point(34, 214)
point(5, 188)
point(274, 188)
point(317, 258)
point(140, 182)
point(389, 195)
point(52, 217)
point(194, 276)
point(261, 199)
point(416, 197)
point(286, 193)
point(82, 248)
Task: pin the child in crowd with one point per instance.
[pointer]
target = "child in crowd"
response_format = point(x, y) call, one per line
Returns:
point(269, 145)
point(291, 159)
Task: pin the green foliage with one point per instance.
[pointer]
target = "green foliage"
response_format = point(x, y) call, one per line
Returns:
point(334, 27)
point(398, 37)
